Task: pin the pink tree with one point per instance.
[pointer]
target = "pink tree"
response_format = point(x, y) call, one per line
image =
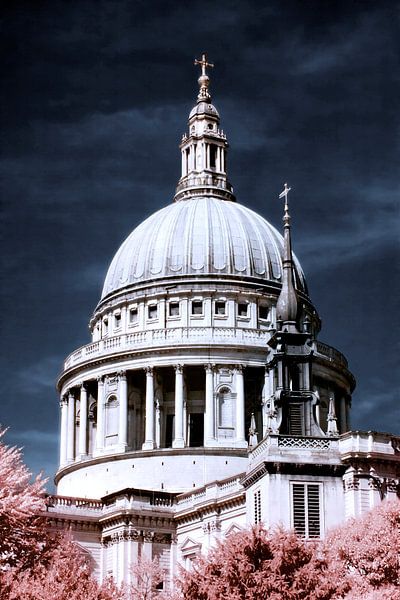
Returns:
point(368, 549)
point(35, 565)
point(256, 564)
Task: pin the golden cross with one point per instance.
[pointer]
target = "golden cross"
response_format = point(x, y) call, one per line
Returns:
point(203, 62)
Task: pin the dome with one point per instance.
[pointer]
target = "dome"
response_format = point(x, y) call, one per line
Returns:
point(204, 108)
point(200, 236)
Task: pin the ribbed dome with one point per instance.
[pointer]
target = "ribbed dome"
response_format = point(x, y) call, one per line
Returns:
point(203, 235)
point(204, 108)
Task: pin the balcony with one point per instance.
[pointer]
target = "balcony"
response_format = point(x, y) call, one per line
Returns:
point(161, 338)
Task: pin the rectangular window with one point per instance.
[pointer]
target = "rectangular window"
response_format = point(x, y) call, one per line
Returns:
point(105, 325)
point(174, 309)
point(197, 307)
point(220, 307)
point(306, 509)
point(133, 315)
point(263, 311)
point(257, 507)
point(117, 321)
point(242, 309)
point(152, 311)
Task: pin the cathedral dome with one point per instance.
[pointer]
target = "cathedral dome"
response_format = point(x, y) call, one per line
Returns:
point(200, 236)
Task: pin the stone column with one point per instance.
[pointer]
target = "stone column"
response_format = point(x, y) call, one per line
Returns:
point(178, 441)
point(149, 429)
point(123, 410)
point(158, 424)
point(266, 396)
point(71, 428)
point(240, 433)
point(100, 414)
point(343, 426)
point(209, 417)
point(64, 430)
point(83, 422)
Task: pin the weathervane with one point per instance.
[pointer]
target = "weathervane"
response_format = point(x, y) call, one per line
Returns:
point(204, 80)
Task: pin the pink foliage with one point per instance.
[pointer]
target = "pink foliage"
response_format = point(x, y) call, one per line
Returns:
point(35, 565)
point(256, 564)
point(369, 548)
point(359, 561)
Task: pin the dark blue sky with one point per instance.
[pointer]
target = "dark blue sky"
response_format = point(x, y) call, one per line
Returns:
point(95, 98)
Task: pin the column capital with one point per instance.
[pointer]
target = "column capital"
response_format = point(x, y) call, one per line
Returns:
point(83, 385)
point(100, 379)
point(121, 374)
point(69, 393)
point(149, 370)
point(239, 368)
point(210, 368)
point(63, 401)
point(178, 369)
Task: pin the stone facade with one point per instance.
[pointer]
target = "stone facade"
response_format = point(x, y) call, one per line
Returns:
point(204, 401)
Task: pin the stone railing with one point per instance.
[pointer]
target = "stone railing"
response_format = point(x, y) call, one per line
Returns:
point(166, 337)
point(273, 444)
point(331, 353)
point(212, 491)
point(359, 443)
point(69, 504)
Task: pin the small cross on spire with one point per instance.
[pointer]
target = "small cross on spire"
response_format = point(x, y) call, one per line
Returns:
point(284, 194)
point(204, 80)
point(204, 64)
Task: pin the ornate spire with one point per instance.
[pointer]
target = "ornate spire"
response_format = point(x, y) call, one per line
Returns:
point(204, 80)
point(204, 148)
point(286, 308)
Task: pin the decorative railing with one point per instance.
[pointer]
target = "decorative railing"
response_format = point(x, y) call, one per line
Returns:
point(187, 336)
point(331, 353)
point(273, 443)
point(209, 492)
point(70, 503)
point(355, 443)
point(165, 337)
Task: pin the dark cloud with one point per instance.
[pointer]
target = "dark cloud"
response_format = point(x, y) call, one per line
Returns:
point(96, 97)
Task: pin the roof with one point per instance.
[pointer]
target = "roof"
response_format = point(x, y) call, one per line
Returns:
point(200, 236)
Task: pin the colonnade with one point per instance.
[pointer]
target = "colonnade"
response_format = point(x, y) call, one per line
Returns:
point(77, 448)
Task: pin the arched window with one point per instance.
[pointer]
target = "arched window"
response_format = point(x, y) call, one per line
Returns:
point(111, 420)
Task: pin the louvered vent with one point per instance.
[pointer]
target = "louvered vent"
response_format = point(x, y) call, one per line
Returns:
point(306, 510)
point(296, 419)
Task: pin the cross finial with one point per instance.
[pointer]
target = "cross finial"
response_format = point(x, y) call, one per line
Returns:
point(284, 194)
point(204, 64)
point(204, 80)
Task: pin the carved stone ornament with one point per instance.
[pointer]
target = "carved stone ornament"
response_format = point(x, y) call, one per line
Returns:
point(148, 536)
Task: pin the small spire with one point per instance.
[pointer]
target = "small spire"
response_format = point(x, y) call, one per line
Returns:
point(286, 308)
point(332, 424)
point(204, 80)
point(253, 439)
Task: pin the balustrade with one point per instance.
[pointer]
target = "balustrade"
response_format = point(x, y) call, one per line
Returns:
point(157, 337)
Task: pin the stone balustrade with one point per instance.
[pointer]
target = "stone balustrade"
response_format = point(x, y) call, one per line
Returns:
point(331, 353)
point(73, 505)
point(212, 491)
point(367, 443)
point(184, 336)
point(166, 337)
point(272, 446)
